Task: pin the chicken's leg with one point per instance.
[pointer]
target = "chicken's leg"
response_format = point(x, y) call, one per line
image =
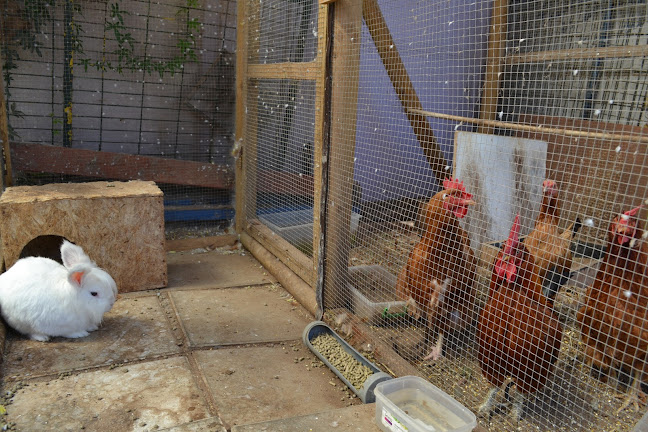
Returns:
point(487, 406)
point(635, 396)
point(517, 411)
point(437, 350)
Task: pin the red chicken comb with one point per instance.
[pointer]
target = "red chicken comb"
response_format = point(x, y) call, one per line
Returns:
point(506, 268)
point(624, 230)
point(514, 236)
point(633, 212)
point(549, 185)
point(455, 184)
point(625, 217)
point(451, 183)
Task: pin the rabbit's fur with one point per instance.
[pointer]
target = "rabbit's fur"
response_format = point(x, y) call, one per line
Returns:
point(42, 298)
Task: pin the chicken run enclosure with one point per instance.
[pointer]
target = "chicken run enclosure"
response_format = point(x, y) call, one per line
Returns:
point(458, 188)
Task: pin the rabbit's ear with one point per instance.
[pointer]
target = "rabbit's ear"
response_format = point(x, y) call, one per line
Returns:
point(75, 277)
point(77, 273)
point(72, 255)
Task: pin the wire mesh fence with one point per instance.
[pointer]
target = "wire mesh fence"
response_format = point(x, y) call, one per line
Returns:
point(151, 80)
point(482, 181)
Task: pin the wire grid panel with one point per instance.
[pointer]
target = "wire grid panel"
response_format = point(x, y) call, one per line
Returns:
point(140, 77)
point(284, 165)
point(538, 109)
point(280, 119)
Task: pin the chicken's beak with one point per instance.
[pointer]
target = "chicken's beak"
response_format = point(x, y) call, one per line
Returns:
point(469, 202)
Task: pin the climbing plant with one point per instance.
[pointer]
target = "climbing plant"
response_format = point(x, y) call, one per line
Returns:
point(24, 31)
point(125, 53)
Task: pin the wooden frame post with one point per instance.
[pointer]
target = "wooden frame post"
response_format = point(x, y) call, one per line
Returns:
point(245, 144)
point(496, 45)
point(6, 179)
point(321, 148)
point(345, 75)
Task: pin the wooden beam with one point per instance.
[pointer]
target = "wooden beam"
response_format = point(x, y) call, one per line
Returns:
point(288, 254)
point(345, 71)
point(321, 147)
point(242, 32)
point(403, 86)
point(299, 289)
point(578, 54)
point(90, 163)
point(591, 132)
point(287, 70)
point(494, 63)
point(5, 161)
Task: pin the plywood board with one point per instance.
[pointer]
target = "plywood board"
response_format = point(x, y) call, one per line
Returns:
point(120, 225)
point(505, 175)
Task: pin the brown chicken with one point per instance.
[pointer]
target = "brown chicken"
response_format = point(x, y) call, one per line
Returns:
point(613, 321)
point(518, 334)
point(549, 248)
point(438, 276)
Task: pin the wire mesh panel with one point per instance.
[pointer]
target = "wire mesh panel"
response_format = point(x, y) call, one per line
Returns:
point(285, 159)
point(481, 183)
point(497, 164)
point(153, 80)
point(280, 125)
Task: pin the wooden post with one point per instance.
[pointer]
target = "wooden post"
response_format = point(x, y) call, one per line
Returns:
point(321, 147)
point(496, 44)
point(244, 147)
point(345, 70)
point(403, 86)
point(5, 163)
point(69, 38)
point(299, 289)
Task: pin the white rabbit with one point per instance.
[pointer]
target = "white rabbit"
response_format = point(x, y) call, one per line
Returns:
point(41, 298)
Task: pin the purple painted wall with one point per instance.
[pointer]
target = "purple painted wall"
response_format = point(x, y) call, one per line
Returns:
point(444, 49)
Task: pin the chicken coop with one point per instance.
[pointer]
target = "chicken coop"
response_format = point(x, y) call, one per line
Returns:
point(459, 189)
point(357, 126)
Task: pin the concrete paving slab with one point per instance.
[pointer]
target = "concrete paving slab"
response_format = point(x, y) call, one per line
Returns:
point(207, 425)
point(135, 328)
point(239, 315)
point(143, 397)
point(215, 270)
point(357, 418)
point(253, 384)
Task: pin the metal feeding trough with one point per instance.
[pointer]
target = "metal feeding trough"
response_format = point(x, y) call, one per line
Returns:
point(366, 391)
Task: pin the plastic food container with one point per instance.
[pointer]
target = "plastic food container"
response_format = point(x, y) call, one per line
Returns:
point(366, 393)
point(411, 403)
point(374, 299)
point(297, 226)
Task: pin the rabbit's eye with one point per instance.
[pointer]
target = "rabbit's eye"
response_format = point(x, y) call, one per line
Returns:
point(93, 294)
